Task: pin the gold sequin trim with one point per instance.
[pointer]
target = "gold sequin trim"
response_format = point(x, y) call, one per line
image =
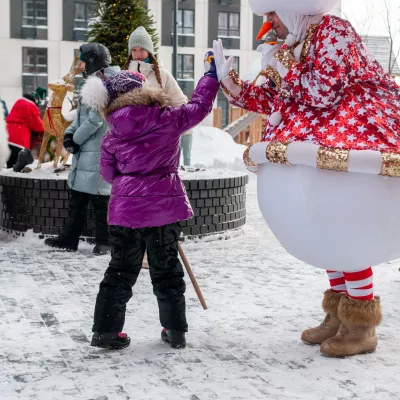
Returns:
point(286, 59)
point(274, 75)
point(247, 160)
point(226, 90)
point(235, 77)
point(307, 42)
point(276, 152)
point(332, 159)
point(390, 164)
point(261, 73)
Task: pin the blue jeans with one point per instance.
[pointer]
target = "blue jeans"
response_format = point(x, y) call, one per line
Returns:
point(186, 148)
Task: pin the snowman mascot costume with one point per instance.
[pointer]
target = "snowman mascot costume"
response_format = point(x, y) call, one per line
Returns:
point(328, 166)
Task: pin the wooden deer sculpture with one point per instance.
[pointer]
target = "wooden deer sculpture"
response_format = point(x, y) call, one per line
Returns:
point(54, 122)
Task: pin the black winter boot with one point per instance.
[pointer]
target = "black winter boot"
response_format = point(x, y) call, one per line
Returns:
point(176, 339)
point(24, 158)
point(110, 340)
point(61, 243)
point(101, 250)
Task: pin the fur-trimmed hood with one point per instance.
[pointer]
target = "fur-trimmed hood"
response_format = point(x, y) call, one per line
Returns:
point(146, 96)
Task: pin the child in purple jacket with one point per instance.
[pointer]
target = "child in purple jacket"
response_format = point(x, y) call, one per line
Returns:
point(140, 157)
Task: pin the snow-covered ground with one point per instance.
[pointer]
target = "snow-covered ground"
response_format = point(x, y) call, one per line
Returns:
point(245, 346)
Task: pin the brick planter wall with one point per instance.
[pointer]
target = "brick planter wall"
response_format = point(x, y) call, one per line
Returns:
point(42, 205)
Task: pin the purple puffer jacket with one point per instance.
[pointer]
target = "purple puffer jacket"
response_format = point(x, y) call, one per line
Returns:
point(140, 155)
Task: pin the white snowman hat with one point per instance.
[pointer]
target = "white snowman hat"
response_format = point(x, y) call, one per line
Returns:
point(304, 7)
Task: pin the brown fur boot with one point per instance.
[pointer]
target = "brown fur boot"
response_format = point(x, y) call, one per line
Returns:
point(330, 324)
point(356, 334)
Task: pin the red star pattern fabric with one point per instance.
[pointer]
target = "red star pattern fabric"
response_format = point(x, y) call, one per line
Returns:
point(339, 97)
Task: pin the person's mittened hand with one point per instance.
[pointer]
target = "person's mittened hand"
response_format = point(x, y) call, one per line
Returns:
point(70, 145)
point(223, 66)
point(209, 65)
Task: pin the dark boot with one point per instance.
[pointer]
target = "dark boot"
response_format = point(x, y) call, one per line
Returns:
point(176, 339)
point(101, 250)
point(110, 340)
point(61, 243)
point(14, 151)
point(24, 158)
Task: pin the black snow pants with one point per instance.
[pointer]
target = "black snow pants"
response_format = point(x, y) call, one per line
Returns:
point(78, 205)
point(127, 250)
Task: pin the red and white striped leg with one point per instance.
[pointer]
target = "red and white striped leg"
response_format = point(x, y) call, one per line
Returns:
point(337, 281)
point(360, 284)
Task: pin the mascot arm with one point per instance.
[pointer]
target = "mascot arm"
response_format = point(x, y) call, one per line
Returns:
point(244, 94)
point(322, 81)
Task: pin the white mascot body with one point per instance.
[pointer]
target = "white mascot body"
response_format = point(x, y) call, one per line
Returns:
point(328, 170)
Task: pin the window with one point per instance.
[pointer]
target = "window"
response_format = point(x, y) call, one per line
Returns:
point(185, 22)
point(228, 24)
point(185, 73)
point(83, 12)
point(34, 68)
point(223, 103)
point(185, 67)
point(34, 19)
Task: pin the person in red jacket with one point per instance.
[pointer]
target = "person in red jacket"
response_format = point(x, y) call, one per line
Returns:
point(23, 119)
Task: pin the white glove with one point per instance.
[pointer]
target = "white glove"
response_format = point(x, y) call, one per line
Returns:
point(223, 66)
point(267, 53)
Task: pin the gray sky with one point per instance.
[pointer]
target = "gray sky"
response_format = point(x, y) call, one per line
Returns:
point(369, 16)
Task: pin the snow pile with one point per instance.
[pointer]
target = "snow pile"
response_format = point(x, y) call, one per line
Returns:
point(214, 148)
point(46, 171)
point(70, 115)
point(209, 173)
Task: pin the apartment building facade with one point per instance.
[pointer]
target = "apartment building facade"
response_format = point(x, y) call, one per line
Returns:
point(38, 39)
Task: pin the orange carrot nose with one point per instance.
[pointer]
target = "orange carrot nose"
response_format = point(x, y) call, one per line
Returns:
point(265, 28)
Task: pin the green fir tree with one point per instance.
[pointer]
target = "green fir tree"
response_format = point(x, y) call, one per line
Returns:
point(115, 20)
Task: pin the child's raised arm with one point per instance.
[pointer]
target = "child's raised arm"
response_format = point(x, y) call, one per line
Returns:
point(191, 114)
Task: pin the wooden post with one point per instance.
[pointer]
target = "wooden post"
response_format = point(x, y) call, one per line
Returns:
point(217, 118)
point(192, 277)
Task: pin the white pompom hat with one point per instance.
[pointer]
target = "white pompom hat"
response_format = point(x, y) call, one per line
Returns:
point(304, 7)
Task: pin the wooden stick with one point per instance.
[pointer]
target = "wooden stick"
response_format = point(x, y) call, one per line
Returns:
point(192, 277)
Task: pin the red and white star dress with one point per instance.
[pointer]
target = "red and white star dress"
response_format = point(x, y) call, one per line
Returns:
point(329, 163)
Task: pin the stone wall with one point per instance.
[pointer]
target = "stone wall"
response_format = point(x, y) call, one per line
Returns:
point(42, 205)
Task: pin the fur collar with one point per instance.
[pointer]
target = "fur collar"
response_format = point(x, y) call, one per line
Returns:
point(139, 97)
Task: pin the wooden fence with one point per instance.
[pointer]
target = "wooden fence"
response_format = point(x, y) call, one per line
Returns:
point(251, 135)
